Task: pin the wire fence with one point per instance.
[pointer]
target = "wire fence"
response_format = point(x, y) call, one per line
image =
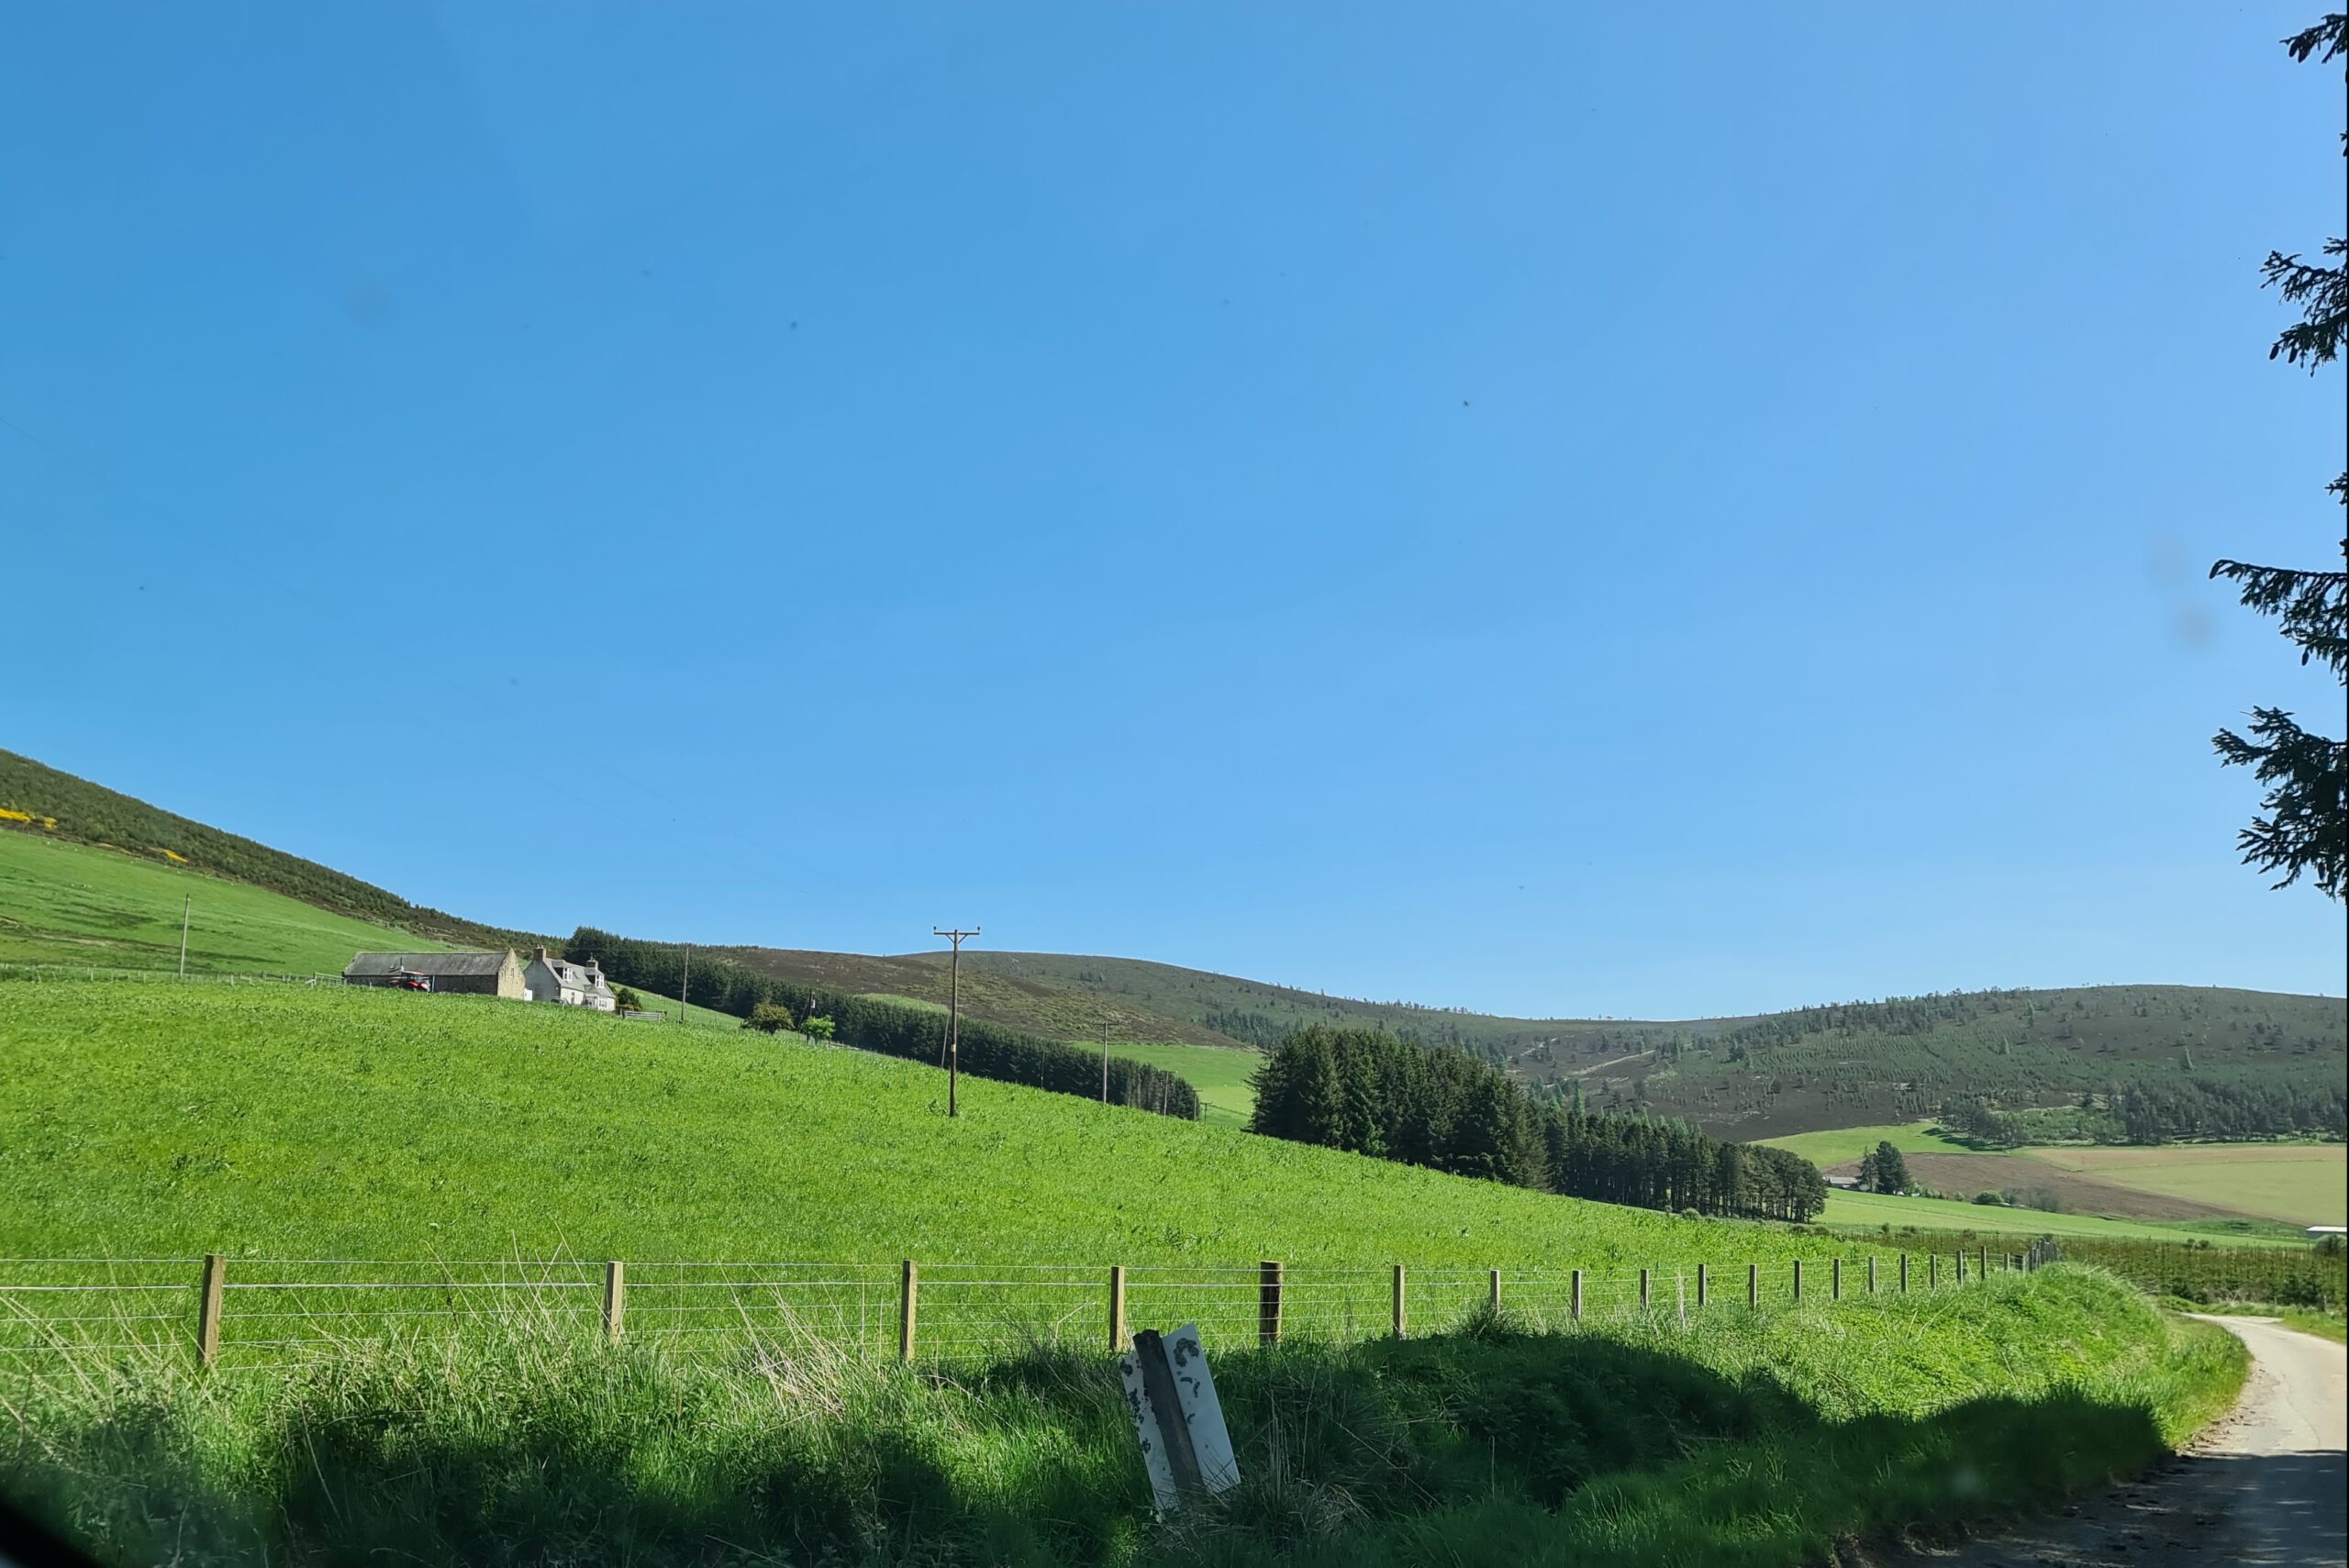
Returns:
point(246, 1313)
point(17, 970)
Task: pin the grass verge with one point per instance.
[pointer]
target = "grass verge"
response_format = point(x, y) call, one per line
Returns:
point(1761, 1439)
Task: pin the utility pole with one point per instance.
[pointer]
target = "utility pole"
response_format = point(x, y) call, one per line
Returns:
point(953, 1011)
point(1105, 1070)
point(684, 987)
point(187, 902)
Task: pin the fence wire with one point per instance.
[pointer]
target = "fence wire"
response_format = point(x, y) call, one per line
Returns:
point(281, 1310)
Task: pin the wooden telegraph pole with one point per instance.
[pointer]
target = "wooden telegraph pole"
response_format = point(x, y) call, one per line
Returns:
point(953, 1011)
point(186, 904)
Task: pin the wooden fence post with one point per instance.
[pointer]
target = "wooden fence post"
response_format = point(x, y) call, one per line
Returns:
point(1904, 1274)
point(1574, 1296)
point(1268, 1302)
point(1116, 1307)
point(1752, 1285)
point(208, 1309)
point(1871, 1273)
point(1798, 1282)
point(1643, 1290)
point(615, 1299)
point(1982, 1262)
point(1701, 1284)
point(1402, 1318)
point(1835, 1280)
point(1492, 1289)
point(908, 1299)
point(1958, 1255)
point(1933, 1271)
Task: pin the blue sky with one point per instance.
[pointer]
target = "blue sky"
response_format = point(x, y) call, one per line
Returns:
point(1529, 507)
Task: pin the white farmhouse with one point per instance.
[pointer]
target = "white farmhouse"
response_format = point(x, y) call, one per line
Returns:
point(574, 984)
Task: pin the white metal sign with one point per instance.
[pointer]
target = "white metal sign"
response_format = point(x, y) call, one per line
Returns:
point(1185, 1447)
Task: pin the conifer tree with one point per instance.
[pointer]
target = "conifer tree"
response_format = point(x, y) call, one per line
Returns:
point(2301, 827)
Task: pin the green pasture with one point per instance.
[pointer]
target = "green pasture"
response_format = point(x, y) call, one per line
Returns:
point(291, 1122)
point(1219, 1074)
point(1835, 1145)
point(78, 904)
point(2295, 1183)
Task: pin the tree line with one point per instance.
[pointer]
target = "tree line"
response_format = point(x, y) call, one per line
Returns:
point(891, 1028)
point(1366, 1091)
point(2201, 1105)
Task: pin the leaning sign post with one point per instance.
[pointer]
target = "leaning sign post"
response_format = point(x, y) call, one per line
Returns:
point(1185, 1447)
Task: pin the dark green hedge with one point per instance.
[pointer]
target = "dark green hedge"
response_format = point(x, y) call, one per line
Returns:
point(892, 1028)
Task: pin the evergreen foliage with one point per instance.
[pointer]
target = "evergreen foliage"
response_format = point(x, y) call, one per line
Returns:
point(2303, 824)
point(892, 1028)
point(1882, 1169)
point(1368, 1092)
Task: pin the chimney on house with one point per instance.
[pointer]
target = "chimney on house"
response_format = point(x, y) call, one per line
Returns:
point(542, 955)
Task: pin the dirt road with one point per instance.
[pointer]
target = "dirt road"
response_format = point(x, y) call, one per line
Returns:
point(2268, 1484)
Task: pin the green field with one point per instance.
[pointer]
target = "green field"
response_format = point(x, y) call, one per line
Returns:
point(79, 904)
point(2275, 1188)
point(288, 1121)
point(1219, 1074)
point(1836, 1145)
point(2297, 1184)
point(65, 907)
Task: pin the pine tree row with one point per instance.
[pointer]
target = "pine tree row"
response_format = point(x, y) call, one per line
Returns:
point(1366, 1091)
point(892, 1028)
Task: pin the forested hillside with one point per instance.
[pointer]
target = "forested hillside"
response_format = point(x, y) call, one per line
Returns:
point(2115, 1062)
point(2121, 1062)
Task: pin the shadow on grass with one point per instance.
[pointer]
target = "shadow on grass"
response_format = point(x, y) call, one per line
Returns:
point(1489, 1446)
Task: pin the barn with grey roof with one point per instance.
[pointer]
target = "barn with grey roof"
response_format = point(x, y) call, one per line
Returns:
point(473, 973)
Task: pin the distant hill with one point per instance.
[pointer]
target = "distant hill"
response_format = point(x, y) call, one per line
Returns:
point(1756, 1076)
point(2034, 1051)
point(2264, 1060)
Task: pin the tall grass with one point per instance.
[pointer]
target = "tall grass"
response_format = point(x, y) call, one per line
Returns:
point(1751, 1439)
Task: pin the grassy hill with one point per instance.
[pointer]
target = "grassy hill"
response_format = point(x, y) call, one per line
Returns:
point(39, 800)
point(358, 1123)
point(155, 1120)
point(69, 904)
